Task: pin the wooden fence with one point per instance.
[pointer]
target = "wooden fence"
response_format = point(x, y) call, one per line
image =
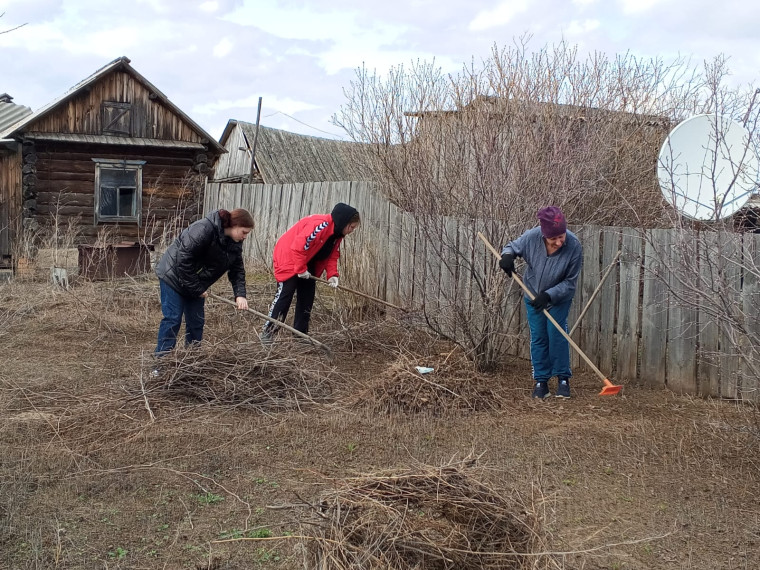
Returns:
point(679, 309)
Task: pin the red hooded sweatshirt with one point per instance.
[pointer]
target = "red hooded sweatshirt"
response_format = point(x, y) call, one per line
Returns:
point(298, 246)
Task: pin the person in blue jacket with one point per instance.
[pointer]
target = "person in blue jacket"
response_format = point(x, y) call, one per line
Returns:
point(554, 257)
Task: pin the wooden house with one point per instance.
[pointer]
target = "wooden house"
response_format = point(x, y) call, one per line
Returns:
point(113, 158)
point(282, 157)
point(10, 114)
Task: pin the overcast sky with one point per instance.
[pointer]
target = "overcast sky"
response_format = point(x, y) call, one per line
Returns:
point(215, 58)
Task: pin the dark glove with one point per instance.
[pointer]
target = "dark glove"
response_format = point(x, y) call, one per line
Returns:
point(541, 301)
point(507, 263)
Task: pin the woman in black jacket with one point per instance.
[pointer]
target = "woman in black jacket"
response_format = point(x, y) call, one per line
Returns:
point(201, 254)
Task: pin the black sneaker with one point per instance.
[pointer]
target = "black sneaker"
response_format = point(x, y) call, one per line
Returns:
point(541, 390)
point(267, 338)
point(563, 388)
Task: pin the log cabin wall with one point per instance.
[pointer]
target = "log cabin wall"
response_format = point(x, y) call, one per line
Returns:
point(171, 189)
point(115, 118)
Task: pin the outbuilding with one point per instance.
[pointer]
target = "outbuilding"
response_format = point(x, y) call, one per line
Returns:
point(112, 160)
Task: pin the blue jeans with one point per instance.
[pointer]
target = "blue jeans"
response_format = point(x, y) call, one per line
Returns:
point(549, 350)
point(173, 306)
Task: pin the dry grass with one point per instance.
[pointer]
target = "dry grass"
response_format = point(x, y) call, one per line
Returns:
point(100, 468)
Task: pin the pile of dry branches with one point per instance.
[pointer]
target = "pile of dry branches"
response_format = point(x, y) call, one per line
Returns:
point(247, 376)
point(427, 518)
point(454, 385)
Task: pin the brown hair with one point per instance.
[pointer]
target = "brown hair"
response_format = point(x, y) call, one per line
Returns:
point(237, 218)
point(355, 219)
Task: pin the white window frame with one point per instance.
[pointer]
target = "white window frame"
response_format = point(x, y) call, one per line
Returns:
point(110, 164)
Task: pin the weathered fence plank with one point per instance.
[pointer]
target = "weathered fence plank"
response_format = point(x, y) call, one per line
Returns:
point(628, 313)
point(708, 369)
point(420, 275)
point(729, 250)
point(607, 299)
point(589, 337)
point(750, 303)
point(654, 314)
point(682, 317)
point(407, 269)
point(465, 273)
point(396, 253)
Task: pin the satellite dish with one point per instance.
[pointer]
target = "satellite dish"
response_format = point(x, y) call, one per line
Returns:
point(707, 167)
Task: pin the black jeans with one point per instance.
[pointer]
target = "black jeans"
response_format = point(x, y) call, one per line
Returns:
point(304, 289)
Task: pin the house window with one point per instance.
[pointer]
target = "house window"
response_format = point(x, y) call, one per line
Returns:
point(118, 190)
point(117, 118)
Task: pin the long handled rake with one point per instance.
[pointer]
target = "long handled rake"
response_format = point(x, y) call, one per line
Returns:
point(279, 323)
point(609, 388)
point(360, 294)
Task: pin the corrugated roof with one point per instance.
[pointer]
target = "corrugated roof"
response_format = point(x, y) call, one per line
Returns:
point(10, 113)
point(283, 157)
point(118, 63)
point(114, 140)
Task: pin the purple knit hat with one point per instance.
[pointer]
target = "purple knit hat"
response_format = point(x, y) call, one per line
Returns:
point(552, 221)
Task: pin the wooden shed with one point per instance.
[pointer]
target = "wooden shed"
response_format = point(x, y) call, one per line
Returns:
point(282, 157)
point(112, 158)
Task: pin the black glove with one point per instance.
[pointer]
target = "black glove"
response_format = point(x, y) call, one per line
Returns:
point(507, 263)
point(541, 301)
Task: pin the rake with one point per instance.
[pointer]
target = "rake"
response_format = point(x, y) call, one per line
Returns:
point(360, 294)
point(609, 388)
point(279, 323)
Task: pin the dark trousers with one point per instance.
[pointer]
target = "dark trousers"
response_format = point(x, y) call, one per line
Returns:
point(304, 290)
point(549, 350)
point(173, 307)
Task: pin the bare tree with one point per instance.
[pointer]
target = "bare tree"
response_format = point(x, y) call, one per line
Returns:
point(11, 29)
point(485, 148)
point(711, 277)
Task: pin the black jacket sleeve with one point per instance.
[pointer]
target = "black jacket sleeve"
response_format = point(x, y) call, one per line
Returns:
point(236, 272)
point(188, 265)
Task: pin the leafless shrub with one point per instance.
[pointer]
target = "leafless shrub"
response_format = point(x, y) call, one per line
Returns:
point(522, 130)
point(709, 272)
point(483, 149)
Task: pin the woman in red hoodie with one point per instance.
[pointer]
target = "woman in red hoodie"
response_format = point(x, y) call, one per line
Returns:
point(310, 247)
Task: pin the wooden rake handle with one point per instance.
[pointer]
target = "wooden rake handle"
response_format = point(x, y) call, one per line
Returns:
point(279, 323)
point(360, 294)
point(548, 316)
